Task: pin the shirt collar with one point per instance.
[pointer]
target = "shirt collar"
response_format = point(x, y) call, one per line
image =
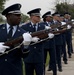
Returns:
point(8, 26)
point(34, 24)
point(14, 27)
point(54, 20)
point(48, 22)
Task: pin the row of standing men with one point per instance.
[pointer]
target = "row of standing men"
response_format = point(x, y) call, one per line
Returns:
point(55, 46)
point(11, 64)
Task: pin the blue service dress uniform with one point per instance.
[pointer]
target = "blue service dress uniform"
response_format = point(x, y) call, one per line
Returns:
point(35, 58)
point(69, 39)
point(49, 46)
point(11, 64)
point(58, 43)
point(64, 48)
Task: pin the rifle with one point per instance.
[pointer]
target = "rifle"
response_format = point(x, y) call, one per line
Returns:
point(59, 26)
point(42, 34)
point(67, 23)
point(53, 26)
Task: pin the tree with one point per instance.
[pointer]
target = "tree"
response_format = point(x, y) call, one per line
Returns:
point(24, 18)
point(2, 2)
point(65, 7)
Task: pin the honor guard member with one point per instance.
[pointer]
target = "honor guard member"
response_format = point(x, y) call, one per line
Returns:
point(10, 63)
point(68, 34)
point(58, 40)
point(63, 53)
point(49, 45)
point(35, 59)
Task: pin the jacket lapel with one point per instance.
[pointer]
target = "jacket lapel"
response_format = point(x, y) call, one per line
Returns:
point(17, 33)
point(38, 27)
point(31, 28)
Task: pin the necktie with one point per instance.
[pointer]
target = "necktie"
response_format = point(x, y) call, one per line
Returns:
point(10, 32)
point(49, 23)
point(34, 27)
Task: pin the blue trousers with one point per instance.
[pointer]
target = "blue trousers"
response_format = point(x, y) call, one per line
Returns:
point(30, 67)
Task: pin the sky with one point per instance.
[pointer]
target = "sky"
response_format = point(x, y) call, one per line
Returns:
point(28, 5)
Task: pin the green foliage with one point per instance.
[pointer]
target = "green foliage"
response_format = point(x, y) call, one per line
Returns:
point(24, 18)
point(64, 7)
point(1, 19)
point(48, 59)
point(2, 2)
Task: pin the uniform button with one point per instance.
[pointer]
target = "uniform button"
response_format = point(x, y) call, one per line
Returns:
point(34, 47)
point(5, 59)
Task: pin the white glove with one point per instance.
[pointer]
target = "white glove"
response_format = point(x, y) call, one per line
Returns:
point(50, 35)
point(68, 27)
point(47, 27)
point(72, 20)
point(3, 47)
point(27, 39)
point(35, 39)
point(63, 23)
point(57, 29)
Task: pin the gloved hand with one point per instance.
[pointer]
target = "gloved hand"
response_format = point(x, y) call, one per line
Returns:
point(72, 20)
point(35, 39)
point(68, 27)
point(50, 35)
point(27, 38)
point(3, 47)
point(47, 27)
point(57, 29)
point(63, 23)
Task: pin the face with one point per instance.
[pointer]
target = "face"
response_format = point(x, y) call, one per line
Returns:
point(14, 19)
point(35, 18)
point(67, 16)
point(62, 18)
point(57, 18)
point(49, 18)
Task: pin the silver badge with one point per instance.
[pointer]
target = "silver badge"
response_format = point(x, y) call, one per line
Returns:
point(30, 25)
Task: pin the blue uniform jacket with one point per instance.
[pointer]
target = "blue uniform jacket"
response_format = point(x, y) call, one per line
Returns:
point(11, 64)
point(58, 38)
point(68, 34)
point(36, 51)
point(50, 42)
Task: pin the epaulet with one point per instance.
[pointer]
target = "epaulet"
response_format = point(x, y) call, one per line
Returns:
point(43, 22)
point(28, 23)
point(24, 24)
